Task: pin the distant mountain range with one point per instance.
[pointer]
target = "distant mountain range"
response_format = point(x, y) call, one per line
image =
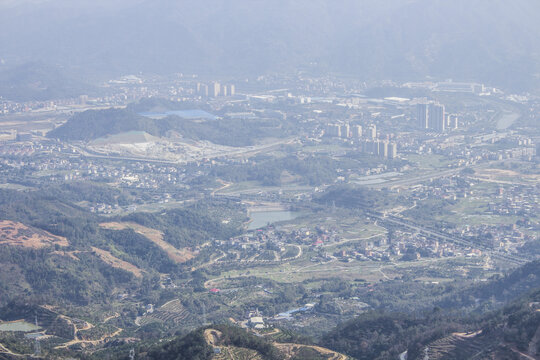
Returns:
point(39, 82)
point(493, 41)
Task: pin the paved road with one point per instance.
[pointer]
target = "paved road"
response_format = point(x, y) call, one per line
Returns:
point(240, 151)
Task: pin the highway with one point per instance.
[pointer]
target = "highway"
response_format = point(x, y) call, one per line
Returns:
point(237, 152)
point(431, 175)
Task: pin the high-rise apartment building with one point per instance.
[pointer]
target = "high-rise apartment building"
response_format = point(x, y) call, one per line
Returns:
point(357, 131)
point(333, 130)
point(422, 116)
point(431, 116)
point(215, 89)
point(383, 148)
point(437, 117)
point(392, 150)
point(345, 130)
point(372, 132)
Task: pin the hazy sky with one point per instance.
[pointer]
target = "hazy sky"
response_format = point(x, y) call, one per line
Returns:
point(495, 40)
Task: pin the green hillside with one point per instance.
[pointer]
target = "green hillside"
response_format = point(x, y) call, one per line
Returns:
point(94, 124)
point(446, 334)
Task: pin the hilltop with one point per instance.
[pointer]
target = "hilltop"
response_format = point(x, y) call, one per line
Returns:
point(225, 342)
point(38, 82)
point(94, 124)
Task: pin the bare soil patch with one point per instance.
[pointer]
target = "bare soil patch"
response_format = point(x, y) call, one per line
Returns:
point(156, 236)
point(109, 259)
point(290, 350)
point(17, 234)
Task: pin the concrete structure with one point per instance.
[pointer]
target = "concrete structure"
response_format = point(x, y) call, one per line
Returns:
point(345, 130)
point(333, 130)
point(372, 132)
point(357, 131)
point(422, 116)
point(383, 148)
point(215, 89)
point(256, 322)
point(453, 122)
point(437, 117)
point(392, 150)
point(431, 116)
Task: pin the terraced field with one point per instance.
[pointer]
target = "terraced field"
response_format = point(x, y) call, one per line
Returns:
point(173, 311)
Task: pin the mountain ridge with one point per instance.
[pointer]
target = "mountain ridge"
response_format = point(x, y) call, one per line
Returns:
point(489, 41)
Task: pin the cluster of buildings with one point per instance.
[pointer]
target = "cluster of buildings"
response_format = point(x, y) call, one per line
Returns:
point(516, 200)
point(504, 237)
point(511, 200)
point(366, 137)
point(432, 116)
point(381, 148)
point(346, 131)
point(215, 89)
point(409, 247)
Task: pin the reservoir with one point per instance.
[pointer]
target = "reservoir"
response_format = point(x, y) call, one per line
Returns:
point(18, 326)
point(262, 218)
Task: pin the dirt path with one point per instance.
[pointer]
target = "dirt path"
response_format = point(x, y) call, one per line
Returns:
point(225, 185)
point(534, 341)
point(211, 262)
point(90, 342)
point(289, 350)
point(111, 317)
point(273, 332)
point(522, 354)
point(383, 274)
point(5, 350)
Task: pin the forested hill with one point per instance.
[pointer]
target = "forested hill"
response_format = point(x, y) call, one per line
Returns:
point(37, 82)
point(232, 342)
point(441, 333)
point(55, 252)
point(448, 334)
point(94, 124)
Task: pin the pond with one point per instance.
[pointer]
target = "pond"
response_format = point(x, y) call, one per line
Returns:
point(18, 326)
point(260, 219)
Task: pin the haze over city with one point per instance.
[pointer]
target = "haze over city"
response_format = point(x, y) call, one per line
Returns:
point(301, 180)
